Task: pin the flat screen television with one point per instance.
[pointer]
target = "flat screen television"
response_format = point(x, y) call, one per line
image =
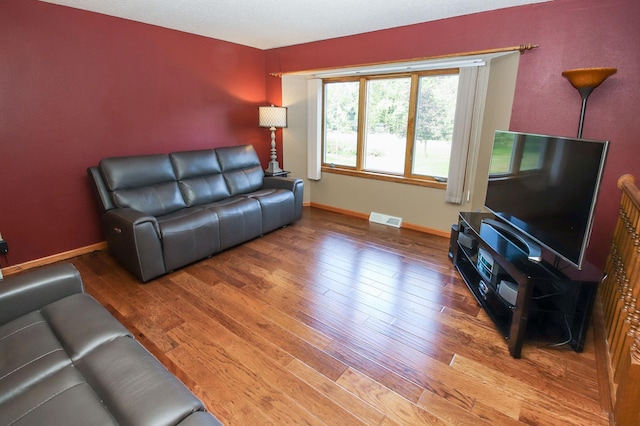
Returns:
point(544, 189)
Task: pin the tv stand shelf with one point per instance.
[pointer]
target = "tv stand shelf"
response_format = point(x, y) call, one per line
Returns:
point(551, 305)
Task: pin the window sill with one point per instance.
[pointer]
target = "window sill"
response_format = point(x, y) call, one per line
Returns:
point(388, 178)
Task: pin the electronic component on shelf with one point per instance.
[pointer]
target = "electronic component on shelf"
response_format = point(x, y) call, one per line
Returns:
point(466, 240)
point(508, 291)
point(487, 267)
point(483, 289)
point(453, 241)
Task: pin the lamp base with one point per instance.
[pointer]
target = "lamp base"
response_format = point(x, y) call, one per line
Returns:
point(274, 167)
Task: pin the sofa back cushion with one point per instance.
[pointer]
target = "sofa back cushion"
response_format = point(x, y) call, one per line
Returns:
point(145, 182)
point(199, 176)
point(241, 168)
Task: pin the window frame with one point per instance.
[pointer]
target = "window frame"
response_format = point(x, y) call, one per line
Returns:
point(358, 170)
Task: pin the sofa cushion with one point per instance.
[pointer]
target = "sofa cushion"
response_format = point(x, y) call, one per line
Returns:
point(188, 164)
point(40, 343)
point(64, 398)
point(82, 324)
point(205, 189)
point(240, 220)
point(25, 293)
point(30, 351)
point(137, 389)
point(199, 177)
point(188, 235)
point(136, 171)
point(277, 207)
point(144, 182)
point(241, 168)
point(155, 200)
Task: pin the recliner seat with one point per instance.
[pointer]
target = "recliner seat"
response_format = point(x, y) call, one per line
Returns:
point(161, 212)
point(67, 361)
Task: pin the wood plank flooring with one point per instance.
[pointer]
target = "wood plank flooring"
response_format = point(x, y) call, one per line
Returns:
point(336, 321)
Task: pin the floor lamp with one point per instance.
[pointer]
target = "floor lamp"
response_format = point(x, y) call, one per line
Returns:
point(585, 80)
point(273, 117)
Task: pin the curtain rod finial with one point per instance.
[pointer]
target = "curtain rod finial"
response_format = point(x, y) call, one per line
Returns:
point(524, 47)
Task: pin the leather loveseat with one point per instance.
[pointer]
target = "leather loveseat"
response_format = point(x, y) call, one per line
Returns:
point(65, 360)
point(163, 211)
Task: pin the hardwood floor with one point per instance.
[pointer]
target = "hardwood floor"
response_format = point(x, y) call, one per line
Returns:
point(337, 321)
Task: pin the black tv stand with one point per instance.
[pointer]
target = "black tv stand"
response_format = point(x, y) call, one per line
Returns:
point(533, 249)
point(551, 305)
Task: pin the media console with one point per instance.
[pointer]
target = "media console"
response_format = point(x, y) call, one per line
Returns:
point(525, 298)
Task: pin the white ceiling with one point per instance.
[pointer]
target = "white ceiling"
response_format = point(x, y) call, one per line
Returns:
point(267, 24)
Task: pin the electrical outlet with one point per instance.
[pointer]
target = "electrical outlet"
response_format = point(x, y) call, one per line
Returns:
point(4, 248)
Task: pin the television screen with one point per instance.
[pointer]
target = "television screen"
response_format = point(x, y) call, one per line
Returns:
point(546, 187)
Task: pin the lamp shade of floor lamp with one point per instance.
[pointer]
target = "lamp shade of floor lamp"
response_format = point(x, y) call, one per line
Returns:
point(273, 117)
point(585, 80)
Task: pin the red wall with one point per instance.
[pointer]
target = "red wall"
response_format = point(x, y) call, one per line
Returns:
point(76, 87)
point(571, 34)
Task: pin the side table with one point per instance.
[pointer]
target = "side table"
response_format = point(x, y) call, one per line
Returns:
point(281, 174)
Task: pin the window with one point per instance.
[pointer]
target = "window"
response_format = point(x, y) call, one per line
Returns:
point(385, 133)
point(396, 126)
point(341, 123)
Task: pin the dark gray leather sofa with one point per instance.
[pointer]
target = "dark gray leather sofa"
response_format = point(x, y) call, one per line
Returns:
point(65, 360)
point(161, 212)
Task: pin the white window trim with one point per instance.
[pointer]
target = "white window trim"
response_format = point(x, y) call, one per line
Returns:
point(398, 67)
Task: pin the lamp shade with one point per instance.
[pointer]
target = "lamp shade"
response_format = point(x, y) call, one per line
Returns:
point(588, 77)
point(585, 80)
point(272, 116)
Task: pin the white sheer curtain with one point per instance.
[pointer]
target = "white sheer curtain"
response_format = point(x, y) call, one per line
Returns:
point(314, 128)
point(462, 132)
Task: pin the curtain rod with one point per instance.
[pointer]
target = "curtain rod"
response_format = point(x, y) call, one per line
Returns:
point(522, 48)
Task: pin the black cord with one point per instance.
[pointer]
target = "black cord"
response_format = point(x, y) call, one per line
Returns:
point(566, 321)
point(544, 296)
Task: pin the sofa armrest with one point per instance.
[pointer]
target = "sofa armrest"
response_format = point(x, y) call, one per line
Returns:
point(278, 182)
point(292, 184)
point(33, 289)
point(129, 218)
point(133, 238)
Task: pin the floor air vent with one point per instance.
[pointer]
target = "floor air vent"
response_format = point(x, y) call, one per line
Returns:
point(385, 219)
